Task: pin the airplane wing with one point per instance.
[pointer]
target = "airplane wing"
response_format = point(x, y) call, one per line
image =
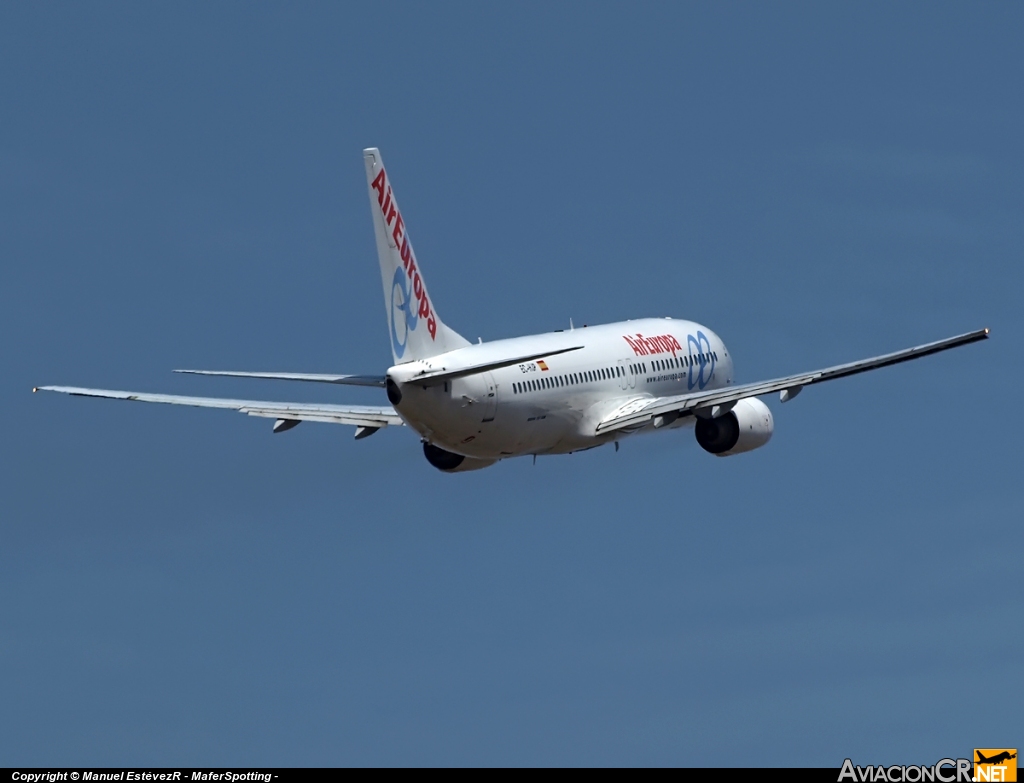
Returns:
point(638, 412)
point(347, 380)
point(366, 418)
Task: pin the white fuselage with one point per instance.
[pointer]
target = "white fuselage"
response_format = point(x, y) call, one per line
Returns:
point(553, 406)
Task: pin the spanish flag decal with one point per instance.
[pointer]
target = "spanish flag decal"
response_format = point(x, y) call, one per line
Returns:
point(543, 367)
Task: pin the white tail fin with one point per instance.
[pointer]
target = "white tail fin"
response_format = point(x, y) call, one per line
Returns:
point(416, 330)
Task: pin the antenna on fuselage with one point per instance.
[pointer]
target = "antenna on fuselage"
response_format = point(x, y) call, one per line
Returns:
point(571, 327)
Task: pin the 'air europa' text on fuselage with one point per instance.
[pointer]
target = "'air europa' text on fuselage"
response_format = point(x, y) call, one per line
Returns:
point(645, 346)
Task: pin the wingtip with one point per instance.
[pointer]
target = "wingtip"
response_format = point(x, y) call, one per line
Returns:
point(986, 331)
point(35, 389)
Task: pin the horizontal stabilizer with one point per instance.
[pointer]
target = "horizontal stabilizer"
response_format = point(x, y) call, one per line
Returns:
point(440, 374)
point(345, 380)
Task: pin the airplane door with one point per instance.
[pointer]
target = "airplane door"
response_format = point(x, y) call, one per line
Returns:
point(626, 379)
point(489, 403)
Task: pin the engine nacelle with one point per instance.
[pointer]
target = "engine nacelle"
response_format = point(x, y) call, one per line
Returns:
point(452, 463)
point(748, 426)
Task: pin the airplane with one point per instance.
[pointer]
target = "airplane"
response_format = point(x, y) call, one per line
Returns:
point(996, 759)
point(474, 404)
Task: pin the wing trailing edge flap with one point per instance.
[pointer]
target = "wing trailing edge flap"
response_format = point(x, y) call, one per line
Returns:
point(638, 414)
point(364, 417)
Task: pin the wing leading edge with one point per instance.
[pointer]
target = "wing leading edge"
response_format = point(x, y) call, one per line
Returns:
point(631, 415)
point(367, 418)
point(346, 380)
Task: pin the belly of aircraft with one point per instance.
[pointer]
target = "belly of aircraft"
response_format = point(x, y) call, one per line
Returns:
point(456, 421)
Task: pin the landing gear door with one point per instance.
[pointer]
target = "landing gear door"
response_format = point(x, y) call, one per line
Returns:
point(489, 403)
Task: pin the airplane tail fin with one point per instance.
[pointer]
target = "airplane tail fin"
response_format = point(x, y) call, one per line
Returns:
point(416, 330)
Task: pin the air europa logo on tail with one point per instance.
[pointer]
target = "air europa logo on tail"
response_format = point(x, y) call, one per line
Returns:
point(408, 284)
point(645, 346)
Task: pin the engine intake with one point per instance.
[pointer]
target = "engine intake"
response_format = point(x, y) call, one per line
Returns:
point(748, 426)
point(450, 462)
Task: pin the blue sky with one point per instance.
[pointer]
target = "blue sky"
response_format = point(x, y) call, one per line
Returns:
point(182, 186)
